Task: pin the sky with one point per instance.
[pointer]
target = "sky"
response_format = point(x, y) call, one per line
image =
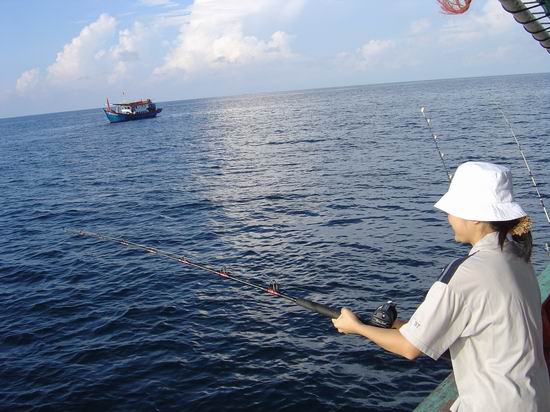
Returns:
point(61, 55)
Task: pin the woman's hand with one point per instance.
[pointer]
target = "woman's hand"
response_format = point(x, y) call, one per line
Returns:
point(347, 322)
point(389, 339)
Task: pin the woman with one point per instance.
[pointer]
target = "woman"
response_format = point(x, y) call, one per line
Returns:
point(485, 308)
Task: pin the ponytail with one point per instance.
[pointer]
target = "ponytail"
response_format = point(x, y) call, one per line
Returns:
point(520, 229)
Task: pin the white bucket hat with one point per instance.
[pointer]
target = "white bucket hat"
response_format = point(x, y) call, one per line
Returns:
point(483, 192)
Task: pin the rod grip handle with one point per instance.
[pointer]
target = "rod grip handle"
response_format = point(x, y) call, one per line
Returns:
point(319, 308)
point(324, 310)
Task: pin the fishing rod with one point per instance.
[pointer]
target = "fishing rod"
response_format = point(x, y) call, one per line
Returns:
point(436, 141)
point(529, 171)
point(383, 316)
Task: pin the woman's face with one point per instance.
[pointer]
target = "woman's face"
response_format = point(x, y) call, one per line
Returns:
point(462, 228)
point(469, 231)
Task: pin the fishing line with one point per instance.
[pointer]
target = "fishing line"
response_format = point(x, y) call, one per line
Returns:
point(529, 171)
point(383, 316)
point(436, 141)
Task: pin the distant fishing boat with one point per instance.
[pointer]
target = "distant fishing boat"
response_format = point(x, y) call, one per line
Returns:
point(122, 112)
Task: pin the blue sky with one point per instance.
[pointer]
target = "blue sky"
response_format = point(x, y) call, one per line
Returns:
point(68, 55)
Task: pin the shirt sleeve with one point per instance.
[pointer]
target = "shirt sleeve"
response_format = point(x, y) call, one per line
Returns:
point(438, 322)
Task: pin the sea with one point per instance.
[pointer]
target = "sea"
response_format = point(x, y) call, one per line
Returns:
point(328, 192)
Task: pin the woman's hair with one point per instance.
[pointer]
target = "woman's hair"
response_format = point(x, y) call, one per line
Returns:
point(525, 240)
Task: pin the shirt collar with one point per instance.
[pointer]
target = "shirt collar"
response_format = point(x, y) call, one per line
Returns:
point(487, 242)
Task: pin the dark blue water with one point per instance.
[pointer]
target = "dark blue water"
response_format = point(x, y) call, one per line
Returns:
point(329, 192)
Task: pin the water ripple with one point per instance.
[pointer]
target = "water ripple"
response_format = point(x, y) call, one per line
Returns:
point(329, 192)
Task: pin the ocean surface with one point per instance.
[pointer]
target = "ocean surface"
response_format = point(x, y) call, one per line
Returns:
point(329, 192)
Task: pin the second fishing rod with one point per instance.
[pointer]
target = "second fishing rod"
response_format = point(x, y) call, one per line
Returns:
point(384, 316)
point(442, 156)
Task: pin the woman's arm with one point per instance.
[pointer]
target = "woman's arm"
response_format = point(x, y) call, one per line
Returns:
point(389, 339)
point(398, 323)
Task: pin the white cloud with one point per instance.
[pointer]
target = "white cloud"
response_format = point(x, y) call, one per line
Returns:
point(420, 26)
point(167, 3)
point(173, 18)
point(27, 80)
point(492, 55)
point(285, 10)
point(94, 56)
point(81, 57)
point(374, 48)
point(488, 23)
point(128, 43)
point(130, 49)
point(213, 35)
point(496, 18)
point(374, 53)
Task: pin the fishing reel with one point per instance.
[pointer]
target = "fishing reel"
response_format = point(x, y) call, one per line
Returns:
point(384, 316)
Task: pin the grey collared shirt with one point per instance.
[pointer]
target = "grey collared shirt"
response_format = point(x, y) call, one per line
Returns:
point(488, 314)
